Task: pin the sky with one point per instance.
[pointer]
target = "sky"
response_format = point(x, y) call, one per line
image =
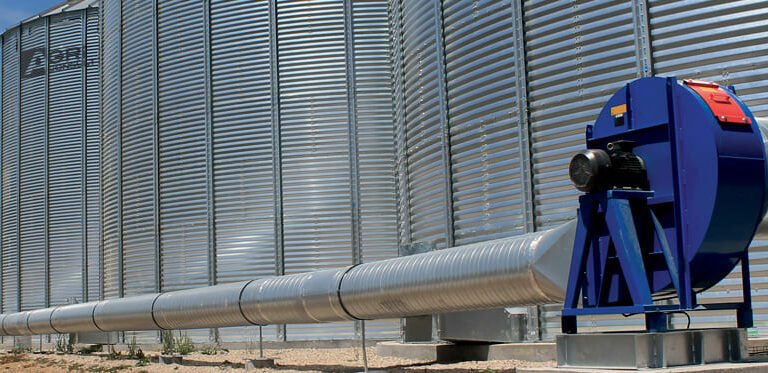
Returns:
point(14, 11)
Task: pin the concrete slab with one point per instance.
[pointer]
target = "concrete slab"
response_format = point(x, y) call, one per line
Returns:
point(709, 368)
point(444, 352)
point(522, 351)
point(259, 364)
point(170, 359)
point(437, 352)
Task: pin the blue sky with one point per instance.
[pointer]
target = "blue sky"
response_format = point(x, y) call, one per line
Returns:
point(14, 11)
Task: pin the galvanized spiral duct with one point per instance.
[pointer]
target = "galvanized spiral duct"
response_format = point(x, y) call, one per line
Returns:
point(524, 270)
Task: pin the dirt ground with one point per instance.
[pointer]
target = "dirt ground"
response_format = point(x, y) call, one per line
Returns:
point(286, 361)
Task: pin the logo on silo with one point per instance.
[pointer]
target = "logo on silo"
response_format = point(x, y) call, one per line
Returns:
point(33, 61)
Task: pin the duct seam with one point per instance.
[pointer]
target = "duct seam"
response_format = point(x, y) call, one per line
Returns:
point(93, 318)
point(2, 325)
point(338, 293)
point(50, 320)
point(26, 322)
point(152, 313)
point(240, 304)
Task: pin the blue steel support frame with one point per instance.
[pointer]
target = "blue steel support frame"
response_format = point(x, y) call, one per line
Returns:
point(587, 286)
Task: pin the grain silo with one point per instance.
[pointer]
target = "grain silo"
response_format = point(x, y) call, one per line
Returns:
point(50, 159)
point(244, 139)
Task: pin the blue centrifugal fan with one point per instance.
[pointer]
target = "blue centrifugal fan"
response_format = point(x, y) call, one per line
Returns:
point(674, 177)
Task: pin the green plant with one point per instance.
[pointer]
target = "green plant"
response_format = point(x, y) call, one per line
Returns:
point(63, 344)
point(134, 351)
point(132, 346)
point(21, 349)
point(143, 361)
point(184, 345)
point(168, 342)
point(172, 345)
point(210, 349)
point(114, 354)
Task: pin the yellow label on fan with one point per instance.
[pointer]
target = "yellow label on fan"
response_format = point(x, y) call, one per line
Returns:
point(618, 110)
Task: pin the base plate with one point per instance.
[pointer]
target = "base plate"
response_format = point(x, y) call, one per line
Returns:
point(651, 350)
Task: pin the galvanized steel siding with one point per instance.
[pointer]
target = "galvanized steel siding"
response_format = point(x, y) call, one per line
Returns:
point(456, 110)
point(184, 229)
point(578, 54)
point(10, 171)
point(66, 218)
point(244, 177)
point(32, 173)
point(275, 144)
point(317, 209)
point(374, 129)
point(92, 156)
point(375, 132)
point(425, 123)
point(138, 149)
point(398, 118)
point(50, 121)
point(314, 131)
point(111, 80)
point(242, 140)
point(488, 198)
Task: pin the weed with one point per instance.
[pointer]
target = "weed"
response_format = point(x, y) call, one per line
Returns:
point(21, 349)
point(143, 361)
point(114, 354)
point(134, 351)
point(171, 345)
point(168, 342)
point(211, 349)
point(184, 345)
point(64, 343)
point(132, 347)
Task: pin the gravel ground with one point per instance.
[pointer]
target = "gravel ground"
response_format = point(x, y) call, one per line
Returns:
point(286, 361)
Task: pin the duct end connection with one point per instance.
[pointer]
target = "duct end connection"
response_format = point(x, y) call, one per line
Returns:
point(552, 260)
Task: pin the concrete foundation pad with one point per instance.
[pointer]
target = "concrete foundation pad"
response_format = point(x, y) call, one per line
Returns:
point(170, 359)
point(444, 352)
point(437, 352)
point(709, 368)
point(522, 351)
point(259, 363)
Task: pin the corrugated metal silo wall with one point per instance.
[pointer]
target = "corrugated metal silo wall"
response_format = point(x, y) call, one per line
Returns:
point(50, 162)
point(245, 139)
point(492, 98)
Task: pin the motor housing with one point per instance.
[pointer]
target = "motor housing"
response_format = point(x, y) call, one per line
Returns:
point(618, 167)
